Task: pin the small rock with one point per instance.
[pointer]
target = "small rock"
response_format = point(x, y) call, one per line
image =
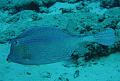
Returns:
point(43, 9)
point(76, 74)
point(28, 73)
point(61, 78)
point(46, 75)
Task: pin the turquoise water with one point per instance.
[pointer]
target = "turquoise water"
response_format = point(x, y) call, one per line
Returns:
point(91, 61)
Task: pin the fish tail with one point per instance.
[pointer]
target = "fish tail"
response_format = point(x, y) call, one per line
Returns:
point(106, 37)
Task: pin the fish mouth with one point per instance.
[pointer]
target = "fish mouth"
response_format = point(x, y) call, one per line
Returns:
point(11, 59)
point(8, 59)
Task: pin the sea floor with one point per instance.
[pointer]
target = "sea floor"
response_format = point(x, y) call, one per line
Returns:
point(107, 69)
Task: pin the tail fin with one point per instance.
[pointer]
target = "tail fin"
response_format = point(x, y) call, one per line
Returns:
point(106, 37)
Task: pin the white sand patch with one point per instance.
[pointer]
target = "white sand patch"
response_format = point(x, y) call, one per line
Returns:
point(56, 8)
point(95, 8)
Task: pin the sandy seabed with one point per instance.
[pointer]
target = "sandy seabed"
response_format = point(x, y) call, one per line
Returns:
point(107, 69)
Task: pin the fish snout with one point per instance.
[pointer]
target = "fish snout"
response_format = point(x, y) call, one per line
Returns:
point(8, 59)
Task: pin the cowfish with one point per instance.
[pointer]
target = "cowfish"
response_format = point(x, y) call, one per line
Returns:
point(45, 45)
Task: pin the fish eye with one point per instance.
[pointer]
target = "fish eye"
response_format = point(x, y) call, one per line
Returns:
point(15, 42)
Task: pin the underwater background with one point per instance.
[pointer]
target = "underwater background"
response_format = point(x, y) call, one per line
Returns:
point(95, 62)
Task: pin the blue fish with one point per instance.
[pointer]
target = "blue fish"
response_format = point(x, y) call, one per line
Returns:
point(45, 45)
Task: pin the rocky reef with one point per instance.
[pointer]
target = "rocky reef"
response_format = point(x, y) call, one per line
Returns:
point(110, 3)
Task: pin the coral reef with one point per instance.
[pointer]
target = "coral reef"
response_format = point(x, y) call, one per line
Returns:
point(110, 3)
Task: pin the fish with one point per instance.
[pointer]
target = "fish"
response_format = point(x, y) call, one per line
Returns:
point(46, 45)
